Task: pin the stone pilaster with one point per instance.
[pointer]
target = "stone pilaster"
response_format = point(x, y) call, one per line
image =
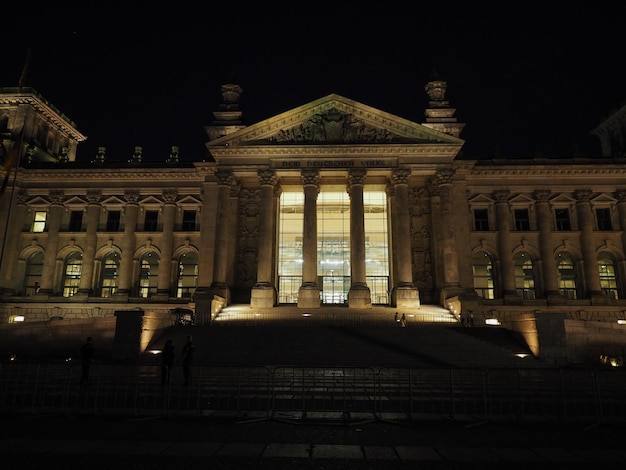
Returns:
point(309, 292)
point(165, 265)
point(404, 293)
point(359, 295)
point(548, 261)
point(264, 293)
point(590, 260)
point(91, 239)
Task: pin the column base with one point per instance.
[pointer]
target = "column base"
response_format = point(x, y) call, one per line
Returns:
point(263, 297)
point(309, 297)
point(359, 297)
point(407, 298)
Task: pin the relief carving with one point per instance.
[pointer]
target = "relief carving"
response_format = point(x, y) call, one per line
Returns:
point(333, 126)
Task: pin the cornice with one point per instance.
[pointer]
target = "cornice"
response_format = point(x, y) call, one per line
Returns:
point(545, 172)
point(435, 150)
point(99, 174)
point(42, 107)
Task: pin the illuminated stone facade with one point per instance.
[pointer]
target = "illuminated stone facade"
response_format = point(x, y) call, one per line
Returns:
point(498, 237)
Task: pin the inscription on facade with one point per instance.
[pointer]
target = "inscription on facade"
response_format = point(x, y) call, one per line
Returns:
point(339, 163)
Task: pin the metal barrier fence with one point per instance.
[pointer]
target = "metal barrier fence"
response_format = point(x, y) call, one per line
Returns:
point(332, 393)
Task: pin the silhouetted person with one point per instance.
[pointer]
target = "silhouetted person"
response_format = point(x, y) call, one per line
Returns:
point(86, 356)
point(396, 320)
point(188, 352)
point(168, 355)
point(403, 320)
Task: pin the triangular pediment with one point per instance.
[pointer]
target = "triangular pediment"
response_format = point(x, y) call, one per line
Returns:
point(189, 200)
point(521, 200)
point(334, 120)
point(113, 201)
point(75, 200)
point(481, 199)
point(604, 199)
point(151, 200)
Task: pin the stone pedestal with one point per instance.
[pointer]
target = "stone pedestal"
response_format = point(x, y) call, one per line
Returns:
point(359, 297)
point(407, 298)
point(309, 297)
point(263, 297)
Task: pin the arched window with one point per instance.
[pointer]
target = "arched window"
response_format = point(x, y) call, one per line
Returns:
point(71, 273)
point(148, 274)
point(524, 276)
point(187, 275)
point(567, 276)
point(32, 277)
point(608, 275)
point(483, 275)
point(108, 275)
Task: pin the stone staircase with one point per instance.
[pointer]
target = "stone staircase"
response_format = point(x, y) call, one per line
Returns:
point(351, 344)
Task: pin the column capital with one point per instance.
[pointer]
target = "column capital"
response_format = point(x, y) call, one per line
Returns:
point(267, 177)
point(400, 176)
point(310, 177)
point(444, 176)
point(501, 195)
point(224, 177)
point(22, 197)
point(583, 195)
point(131, 196)
point(356, 177)
point(542, 195)
point(170, 196)
point(94, 197)
point(56, 197)
point(620, 195)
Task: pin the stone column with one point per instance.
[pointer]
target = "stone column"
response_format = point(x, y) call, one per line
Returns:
point(91, 239)
point(405, 293)
point(219, 287)
point(206, 309)
point(264, 292)
point(309, 292)
point(621, 212)
point(53, 223)
point(544, 221)
point(503, 223)
point(131, 214)
point(164, 280)
point(12, 280)
point(448, 234)
point(359, 295)
point(590, 260)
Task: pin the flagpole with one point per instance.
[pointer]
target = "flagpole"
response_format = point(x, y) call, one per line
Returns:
point(5, 236)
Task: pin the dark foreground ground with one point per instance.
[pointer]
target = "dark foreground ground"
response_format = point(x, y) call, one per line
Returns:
point(123, 441)
point(35, 441)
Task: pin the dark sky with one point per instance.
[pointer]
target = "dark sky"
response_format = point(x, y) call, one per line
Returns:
point(527, 78)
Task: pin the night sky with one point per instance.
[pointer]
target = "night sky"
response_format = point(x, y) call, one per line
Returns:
point(527, 78)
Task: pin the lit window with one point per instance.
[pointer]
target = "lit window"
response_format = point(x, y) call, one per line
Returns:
point(39, 222)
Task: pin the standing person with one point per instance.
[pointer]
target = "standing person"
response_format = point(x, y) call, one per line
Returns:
point(396, 320)
point(403, 321)
point(167, 362)
point(188, 352)
point(86, 356)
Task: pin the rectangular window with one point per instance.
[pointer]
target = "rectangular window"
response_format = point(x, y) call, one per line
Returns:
point(603, 217)
point(522, 221)
point(76, 221)
point(562, 220)
point(113, 221)
point(481, 220)
point(151, 221)
point(189, 221)
point(39, 222)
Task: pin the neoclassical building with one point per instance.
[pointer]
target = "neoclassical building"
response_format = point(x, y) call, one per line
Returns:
point(331, 203)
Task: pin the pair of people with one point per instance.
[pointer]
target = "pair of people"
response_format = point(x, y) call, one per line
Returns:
point(168, 356)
